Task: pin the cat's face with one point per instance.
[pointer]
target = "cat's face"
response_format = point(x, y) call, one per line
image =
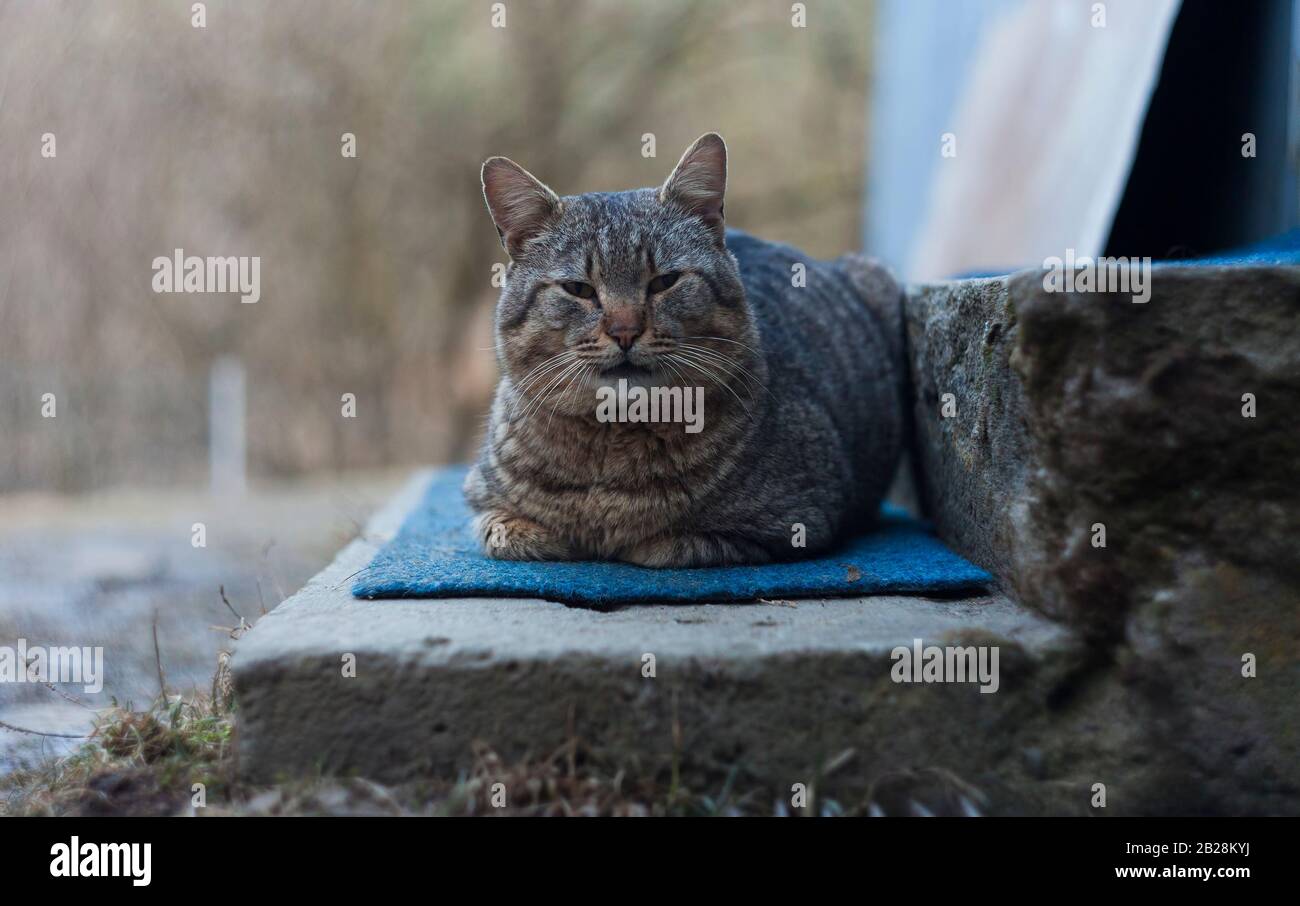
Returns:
point(632, 285)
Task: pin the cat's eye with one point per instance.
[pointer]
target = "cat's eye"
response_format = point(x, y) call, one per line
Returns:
point(581, 290)
point(663, 282)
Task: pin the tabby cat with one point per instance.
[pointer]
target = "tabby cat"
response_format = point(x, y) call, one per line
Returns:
point(796, 363)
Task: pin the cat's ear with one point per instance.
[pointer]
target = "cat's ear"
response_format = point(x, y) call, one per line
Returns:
point(521, 205)
point(699, 181)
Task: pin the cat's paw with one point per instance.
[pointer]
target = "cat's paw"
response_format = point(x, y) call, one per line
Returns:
point(505, 536)
point(683, 551)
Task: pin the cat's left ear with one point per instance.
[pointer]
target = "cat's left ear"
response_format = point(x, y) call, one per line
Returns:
point(699, 181)
point(521, 205)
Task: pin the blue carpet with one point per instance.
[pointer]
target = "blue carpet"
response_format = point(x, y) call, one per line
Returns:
point(1282, 250)
point(434, 556)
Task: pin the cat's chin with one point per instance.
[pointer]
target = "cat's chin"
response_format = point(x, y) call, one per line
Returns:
point(631, 375)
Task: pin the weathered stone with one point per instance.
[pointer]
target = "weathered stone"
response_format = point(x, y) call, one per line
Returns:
point(970, 463)
point(1135, 418)
point(1077, 411)
point(1074, 410)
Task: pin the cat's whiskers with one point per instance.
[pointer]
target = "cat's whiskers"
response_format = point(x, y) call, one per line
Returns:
point(542, 372)
point(540, 399)
point(729, 364)
point(551, 376)
point(575, 381)
point(555, 358)
point(677, 375)
point(710, 375)
point(537, 372)
point(724, 375)
point(535, 400)
point(724, 340)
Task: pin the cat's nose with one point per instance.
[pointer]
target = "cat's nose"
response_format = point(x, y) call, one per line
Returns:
point(623, 325)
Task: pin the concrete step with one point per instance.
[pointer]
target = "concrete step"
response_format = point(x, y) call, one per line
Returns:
point(771, 694)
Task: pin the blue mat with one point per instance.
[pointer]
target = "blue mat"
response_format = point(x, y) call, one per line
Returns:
point(1282, 250)
point(434, 556)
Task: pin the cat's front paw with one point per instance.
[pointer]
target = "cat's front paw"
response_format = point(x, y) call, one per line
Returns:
point(505, 536)
point(683, 551)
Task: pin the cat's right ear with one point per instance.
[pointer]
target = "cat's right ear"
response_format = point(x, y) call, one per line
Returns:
point(521, 205)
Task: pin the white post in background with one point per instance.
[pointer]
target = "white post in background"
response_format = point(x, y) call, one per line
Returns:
point(227, 453)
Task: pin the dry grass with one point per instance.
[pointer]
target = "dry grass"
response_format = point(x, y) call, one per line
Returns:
point(134, 762)
point(147, 762)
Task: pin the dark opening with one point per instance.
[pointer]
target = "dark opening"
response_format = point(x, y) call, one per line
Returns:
point(1227, 71)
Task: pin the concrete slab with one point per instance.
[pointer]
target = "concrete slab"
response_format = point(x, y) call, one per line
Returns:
point(769, 694)
point(324, 618)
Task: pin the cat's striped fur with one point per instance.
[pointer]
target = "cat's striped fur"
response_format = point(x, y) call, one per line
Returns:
point(803, 419)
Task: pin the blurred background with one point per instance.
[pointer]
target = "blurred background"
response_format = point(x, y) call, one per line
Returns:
point(376, 270)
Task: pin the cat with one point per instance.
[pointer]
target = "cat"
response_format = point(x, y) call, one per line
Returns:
point(799, 362)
